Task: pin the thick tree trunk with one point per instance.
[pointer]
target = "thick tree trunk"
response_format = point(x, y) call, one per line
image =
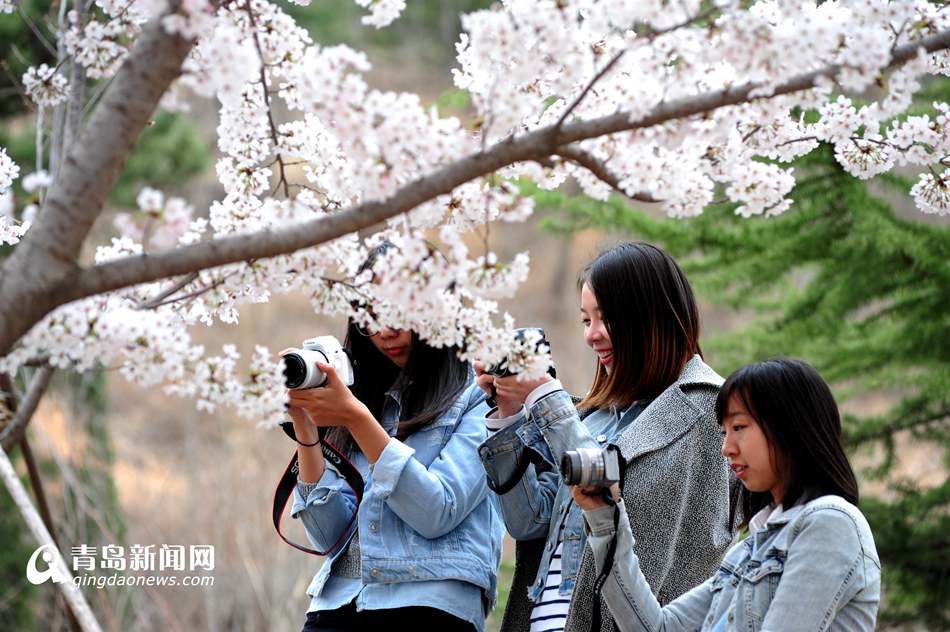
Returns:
point(30, 278)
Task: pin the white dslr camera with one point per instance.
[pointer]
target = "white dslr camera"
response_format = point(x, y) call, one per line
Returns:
point(300, 368)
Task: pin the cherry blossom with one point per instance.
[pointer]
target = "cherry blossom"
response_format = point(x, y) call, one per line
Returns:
point(9, 171)
point(302, 135)
point(44, 85)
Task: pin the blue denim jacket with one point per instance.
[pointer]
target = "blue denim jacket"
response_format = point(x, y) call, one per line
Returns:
point(540, 504)
point(429, 533)
point(814, 568)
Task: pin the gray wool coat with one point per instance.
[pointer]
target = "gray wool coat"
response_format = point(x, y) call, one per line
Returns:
point(678, 492)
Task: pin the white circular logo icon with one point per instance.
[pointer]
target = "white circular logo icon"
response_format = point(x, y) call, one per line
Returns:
point(55, 567)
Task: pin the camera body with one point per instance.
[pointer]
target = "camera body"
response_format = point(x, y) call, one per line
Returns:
point(300, 369)
point(591, 467)
point(501, 369)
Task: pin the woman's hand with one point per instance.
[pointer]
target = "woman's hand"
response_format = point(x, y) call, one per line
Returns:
point(591, 498)
point(484, 380)
point(332, 404)
point(510, 393)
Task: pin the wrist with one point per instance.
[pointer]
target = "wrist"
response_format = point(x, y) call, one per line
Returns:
point(507, 410)
point(360, 418)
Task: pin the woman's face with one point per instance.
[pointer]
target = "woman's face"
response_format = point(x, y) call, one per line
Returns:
point(748, 451)
point(595, 329)
point(395, 344)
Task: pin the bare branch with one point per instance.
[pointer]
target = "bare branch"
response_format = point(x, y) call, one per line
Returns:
point(11, 434)
point(174, 287)
point(652, 34)
point(600, 169)
point(74, 596)
point(590, 85)
point(35, 29)
point(270, 113)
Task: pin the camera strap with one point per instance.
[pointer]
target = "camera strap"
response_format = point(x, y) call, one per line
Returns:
point(527, 457)
point(288, 481)
point(595, 617)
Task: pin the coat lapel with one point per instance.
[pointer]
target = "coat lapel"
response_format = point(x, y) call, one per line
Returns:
point(670, 415)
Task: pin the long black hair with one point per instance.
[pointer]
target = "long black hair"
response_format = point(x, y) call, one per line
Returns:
point(651, 315)
point(432, 379)
point(798, 415)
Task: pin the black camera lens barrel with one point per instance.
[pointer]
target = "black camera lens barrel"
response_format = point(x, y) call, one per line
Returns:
point(295, 370)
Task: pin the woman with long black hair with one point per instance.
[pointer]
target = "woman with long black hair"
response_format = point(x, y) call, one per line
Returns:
point(809, 562)
point(425, 547)
point(652, 398)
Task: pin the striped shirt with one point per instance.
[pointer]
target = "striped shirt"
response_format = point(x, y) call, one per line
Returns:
point(550, 612)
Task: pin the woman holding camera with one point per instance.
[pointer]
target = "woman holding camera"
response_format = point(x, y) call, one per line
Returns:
point(809, 562)
point(425, 546)
point(653, 399)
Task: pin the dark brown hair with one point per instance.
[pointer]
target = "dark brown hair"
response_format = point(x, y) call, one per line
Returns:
point(799, 417)
point(433, 379)
point(651, 316)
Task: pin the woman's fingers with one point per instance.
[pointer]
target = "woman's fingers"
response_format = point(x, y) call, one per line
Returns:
point(485, 382)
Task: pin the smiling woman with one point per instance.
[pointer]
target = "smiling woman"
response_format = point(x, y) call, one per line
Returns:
point(653, 398)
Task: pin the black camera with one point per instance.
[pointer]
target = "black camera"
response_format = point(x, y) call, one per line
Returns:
point(591, 467)
point(502, 369)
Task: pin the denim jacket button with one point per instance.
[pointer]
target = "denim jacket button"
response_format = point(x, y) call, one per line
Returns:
point(374, 572)
point(372, 527)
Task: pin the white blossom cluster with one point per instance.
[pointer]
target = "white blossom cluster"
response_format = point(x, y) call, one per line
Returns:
point(9, 170)
point(382, 12)
point(10, 230)
point(303, 136)
point(100, 46)
point(526, 65)
point(159, 224)
point(44, 85)
point(36, 180)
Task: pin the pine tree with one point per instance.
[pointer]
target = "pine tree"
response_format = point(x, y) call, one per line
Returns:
point(844, 283)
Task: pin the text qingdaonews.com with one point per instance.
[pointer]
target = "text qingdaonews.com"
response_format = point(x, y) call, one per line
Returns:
point(101, 581)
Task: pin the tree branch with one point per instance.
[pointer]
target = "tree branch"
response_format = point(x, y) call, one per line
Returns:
point(588, 88)
point(73, 283)
point(50, 249)
point(157, 300)
point(270, 113)
point(23, 411)
point(600, 169)
point(74, 597)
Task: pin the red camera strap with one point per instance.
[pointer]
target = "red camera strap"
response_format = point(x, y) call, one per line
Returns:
point(288, 481)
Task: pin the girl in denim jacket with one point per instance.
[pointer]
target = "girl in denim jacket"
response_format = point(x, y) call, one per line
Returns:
point(809, 562)
point(425, 546)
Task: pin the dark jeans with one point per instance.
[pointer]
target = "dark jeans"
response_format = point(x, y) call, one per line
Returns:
point(347, 619)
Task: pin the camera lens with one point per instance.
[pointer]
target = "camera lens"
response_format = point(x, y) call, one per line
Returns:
point(571, 467)
point(295, 370)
